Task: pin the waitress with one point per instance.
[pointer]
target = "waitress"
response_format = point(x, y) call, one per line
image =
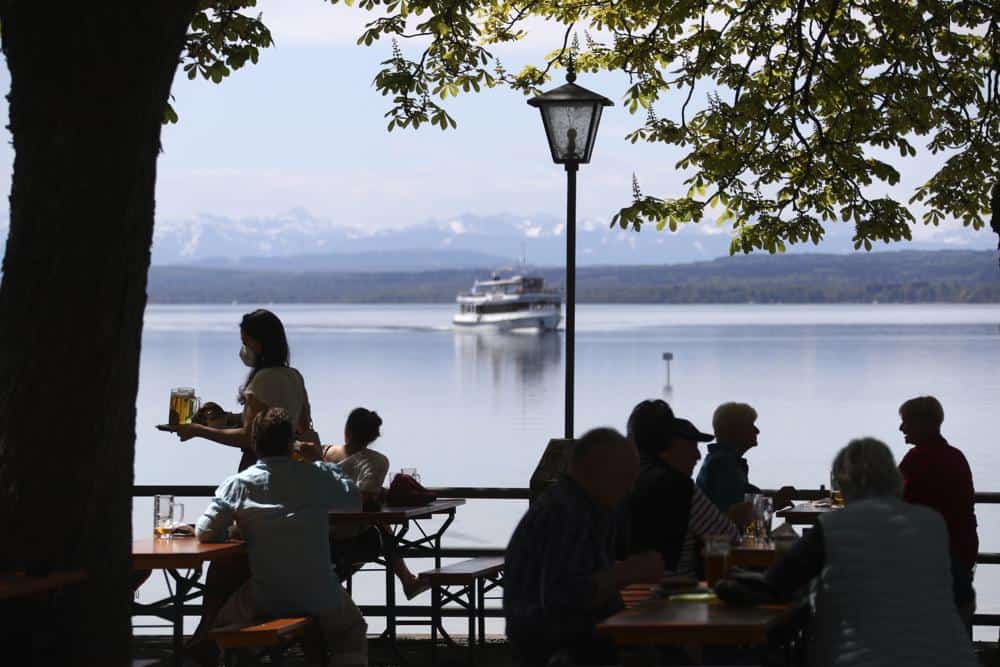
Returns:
point(271, 383)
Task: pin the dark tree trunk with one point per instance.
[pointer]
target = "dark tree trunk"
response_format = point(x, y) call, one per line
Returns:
point(89, 82)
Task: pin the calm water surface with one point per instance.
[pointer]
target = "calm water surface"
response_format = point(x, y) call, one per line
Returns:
point(476, 410)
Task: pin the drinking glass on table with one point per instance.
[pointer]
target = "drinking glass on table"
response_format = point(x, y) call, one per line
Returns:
point(763, 513)
point(717, 550)
point(167, 515)
point(750, 533)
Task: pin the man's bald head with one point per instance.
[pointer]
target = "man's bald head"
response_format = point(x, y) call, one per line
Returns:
point(605, 464)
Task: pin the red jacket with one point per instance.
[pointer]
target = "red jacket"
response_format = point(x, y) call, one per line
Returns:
point(937, 475)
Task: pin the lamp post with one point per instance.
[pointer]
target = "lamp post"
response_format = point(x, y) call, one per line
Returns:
point(570, 115)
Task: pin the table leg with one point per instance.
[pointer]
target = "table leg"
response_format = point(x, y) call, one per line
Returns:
point(391, 549)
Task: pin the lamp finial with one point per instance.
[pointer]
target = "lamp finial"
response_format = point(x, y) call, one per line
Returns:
point(570, 68)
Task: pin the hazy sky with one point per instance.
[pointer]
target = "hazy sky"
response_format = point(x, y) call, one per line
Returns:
point(304, 129)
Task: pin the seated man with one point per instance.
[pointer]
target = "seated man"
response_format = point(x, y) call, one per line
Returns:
point(669, 513)
point(281, 509)
point(884, 595)
point(560, 576)
point(724, 475)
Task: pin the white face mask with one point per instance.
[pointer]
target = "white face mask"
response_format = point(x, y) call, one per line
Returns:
point(248, 356)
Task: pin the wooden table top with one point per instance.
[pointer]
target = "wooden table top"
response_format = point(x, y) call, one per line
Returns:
point(805, 514)
point(180, 552)
point(659, 621)
point(16, 584)
point(390, 514)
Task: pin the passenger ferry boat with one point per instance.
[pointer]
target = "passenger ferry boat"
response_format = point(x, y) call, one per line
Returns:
point(507, 304)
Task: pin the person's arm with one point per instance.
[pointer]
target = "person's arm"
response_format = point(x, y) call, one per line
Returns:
point(643, 568)
point(343, 495)
point(213, 525)
point(800, 565)
point(233, 437)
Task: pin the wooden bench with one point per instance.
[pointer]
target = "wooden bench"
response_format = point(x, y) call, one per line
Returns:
point(272, 637)
point(472, 579)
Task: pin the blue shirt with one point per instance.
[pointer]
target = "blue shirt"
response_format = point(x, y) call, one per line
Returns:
point(724, 476)
point(282, 508)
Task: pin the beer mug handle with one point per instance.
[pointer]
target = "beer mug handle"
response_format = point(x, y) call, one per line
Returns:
point(177, 514)
point(197, 405)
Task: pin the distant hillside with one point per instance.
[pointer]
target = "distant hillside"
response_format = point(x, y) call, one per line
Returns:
point(380, 261)
point(891, 277)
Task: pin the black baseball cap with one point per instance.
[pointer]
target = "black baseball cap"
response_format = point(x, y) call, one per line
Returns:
point(682, 428)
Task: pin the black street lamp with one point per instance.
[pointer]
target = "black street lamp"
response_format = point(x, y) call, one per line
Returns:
point(571, 115)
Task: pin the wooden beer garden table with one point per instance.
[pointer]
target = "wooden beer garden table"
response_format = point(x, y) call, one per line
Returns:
point(805, 514)
point(174, 555)
point(397, 521)
point(658, 621)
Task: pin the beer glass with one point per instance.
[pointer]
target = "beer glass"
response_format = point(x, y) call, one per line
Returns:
point(183, 405)
point(717, 550)
point(762, 515)
point(167, 515)
point(836, 496)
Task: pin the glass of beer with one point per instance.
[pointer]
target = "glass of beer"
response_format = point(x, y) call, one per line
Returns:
point(167, 515)
point(717, 550)
point(836, 496)
point(183, 405)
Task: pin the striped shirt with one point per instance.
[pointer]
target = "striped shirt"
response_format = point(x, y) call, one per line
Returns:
point(704, 519)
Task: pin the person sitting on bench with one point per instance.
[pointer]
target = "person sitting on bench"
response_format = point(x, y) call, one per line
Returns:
point(362, 543)
point(281, 509)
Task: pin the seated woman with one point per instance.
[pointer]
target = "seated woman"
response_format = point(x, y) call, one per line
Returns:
point(368, 468)
point(888, 591)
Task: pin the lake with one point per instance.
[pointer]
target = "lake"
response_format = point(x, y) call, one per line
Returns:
point(477, 410)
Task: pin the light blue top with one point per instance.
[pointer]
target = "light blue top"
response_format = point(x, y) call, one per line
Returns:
point(281, 507)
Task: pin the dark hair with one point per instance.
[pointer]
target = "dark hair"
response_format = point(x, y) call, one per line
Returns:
point(265, 328)
point(363, 425)
point(649, 426)
point(592, 439)
point(272, 433)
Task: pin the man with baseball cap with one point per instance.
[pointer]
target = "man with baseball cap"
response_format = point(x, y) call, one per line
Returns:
point(669, 513)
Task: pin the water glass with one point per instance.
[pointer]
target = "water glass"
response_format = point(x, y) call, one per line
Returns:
point(167, 515)
point(412, 472)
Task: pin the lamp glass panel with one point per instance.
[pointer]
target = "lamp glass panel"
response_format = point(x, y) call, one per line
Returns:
point(568, 124)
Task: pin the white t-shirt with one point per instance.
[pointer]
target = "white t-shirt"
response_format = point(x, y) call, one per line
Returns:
point(367, 468)
point(280, 387)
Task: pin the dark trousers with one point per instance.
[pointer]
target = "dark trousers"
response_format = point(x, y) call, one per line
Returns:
point(224, 577)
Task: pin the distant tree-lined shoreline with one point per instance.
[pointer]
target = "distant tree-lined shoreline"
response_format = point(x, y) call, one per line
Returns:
point(892, 277)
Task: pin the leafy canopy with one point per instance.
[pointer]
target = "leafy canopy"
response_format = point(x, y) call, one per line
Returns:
point(792, 113)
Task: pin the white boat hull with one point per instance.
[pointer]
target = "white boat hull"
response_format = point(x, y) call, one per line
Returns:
point(540, 321)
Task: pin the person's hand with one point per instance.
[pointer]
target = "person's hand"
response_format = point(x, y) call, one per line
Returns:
point(310, 451)
point(783, 497)
point(741, 514)
point(643, 568)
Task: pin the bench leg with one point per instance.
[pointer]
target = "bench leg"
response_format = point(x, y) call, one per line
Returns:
point(435, 620)
point(472, 623)
point(481, 608)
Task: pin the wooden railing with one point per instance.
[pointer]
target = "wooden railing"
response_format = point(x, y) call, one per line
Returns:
point(518, 493)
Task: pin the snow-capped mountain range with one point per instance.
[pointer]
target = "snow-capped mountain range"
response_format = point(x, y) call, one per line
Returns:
point(298, 241)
